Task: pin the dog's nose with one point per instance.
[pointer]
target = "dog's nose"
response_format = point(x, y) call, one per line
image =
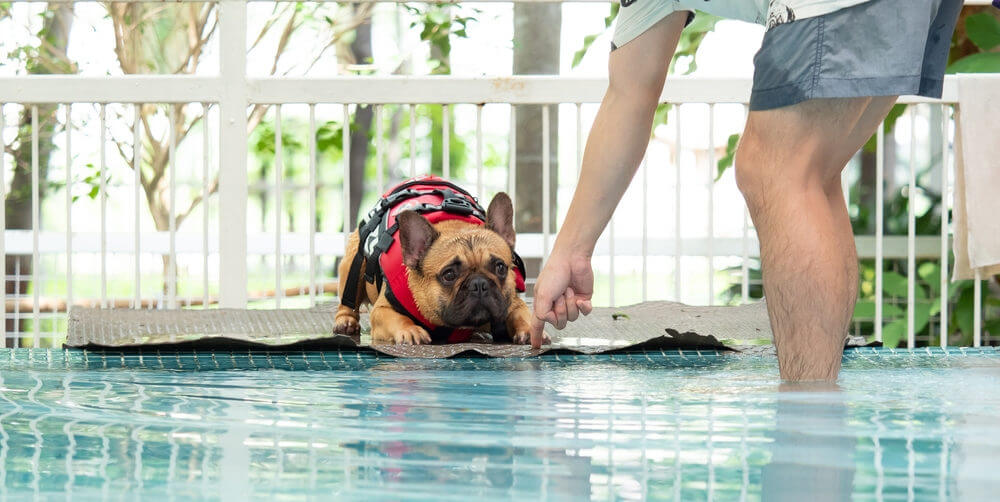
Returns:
point(478, 286)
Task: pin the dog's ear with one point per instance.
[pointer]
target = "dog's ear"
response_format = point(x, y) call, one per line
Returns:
point(415, 237)
point(500, 217)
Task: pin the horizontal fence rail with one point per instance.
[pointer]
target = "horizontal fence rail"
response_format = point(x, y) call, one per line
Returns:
point(224, 251)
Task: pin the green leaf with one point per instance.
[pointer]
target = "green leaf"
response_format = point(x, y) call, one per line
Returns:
point(930, 272)
point(578, 55)
point(895, 284)
point(983, 62)
point(865, 310)
point(727, 160)
point(895, 332)
point(983, 30)
point(660, 115)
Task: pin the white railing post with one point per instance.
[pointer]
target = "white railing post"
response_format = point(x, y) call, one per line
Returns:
point(233, 189)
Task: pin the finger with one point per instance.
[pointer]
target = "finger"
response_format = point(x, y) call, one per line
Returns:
point(585, 306)
point(542, 302)
point(560, 312)
point(572, 310)
point(537, 333)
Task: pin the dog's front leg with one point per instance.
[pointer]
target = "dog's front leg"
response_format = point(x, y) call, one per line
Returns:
point(391, 327)
point(519, 321)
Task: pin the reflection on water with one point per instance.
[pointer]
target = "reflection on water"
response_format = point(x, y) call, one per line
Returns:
point(610, 427)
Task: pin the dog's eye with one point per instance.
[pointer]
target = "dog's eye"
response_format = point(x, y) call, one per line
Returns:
point(500, 268)
point(449, 276)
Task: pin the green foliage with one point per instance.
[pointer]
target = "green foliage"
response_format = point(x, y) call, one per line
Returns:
point(437, 25)
point(589, 39)
point(727, 160)
point(691, 39)
point(983, 30)
point(983, 62)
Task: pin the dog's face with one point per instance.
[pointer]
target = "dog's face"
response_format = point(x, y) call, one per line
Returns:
point(460, 274)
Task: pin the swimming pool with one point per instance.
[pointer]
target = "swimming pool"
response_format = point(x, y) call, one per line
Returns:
point(902, 425)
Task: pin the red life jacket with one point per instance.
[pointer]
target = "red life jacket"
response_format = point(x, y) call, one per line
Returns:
point(437, 200)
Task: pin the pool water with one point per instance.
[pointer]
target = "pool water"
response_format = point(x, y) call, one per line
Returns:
point(901, 425)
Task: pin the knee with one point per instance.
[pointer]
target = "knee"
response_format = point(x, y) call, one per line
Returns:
point(767, 166)
point(752, 170)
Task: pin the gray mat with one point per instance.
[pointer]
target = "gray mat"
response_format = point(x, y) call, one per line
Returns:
point(646, 326)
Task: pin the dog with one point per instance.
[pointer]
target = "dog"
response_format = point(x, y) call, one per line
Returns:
point(462, 271)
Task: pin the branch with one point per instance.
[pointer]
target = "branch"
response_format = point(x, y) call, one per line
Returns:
point(286, 34)
point(267, 25)
point(194, 203)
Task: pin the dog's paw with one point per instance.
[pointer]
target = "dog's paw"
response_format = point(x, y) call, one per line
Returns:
point(346, 325)
point(412, 335)
point(524, 338)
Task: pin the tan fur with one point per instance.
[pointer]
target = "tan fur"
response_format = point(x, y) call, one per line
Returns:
point(474, 246)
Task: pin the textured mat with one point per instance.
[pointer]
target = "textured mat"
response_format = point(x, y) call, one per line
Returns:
point(649, 326)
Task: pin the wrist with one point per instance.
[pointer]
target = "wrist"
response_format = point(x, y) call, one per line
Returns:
point(571, 245)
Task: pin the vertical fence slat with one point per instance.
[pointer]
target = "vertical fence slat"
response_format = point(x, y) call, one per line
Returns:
point(745, 265)
point(446, 141)
point(879, 223)
point(413, 140)
point(3, 226)
point(379, 168)
point(677, 206)
point(579, 139)
point(645, 227)
point(35, 228)
point(479, 150)
point(137, 203)
point(711, 204)
point(104, 207)
point(911, 234)
point(233, 186)
point(977, 310)
point(278, 186)
point(347, 171)
point(945, 171)
point(205, 153)
point(312, 202)
point(172, 264)
point(69, 207)
point(512, 156)
point(545, 182)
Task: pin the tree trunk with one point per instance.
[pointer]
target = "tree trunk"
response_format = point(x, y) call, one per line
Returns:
point(361, 49)
point(536, 52)
point(17, 206)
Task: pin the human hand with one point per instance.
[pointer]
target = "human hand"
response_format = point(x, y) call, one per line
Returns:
point(563, 291)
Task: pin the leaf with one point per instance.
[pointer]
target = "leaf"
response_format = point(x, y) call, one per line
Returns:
point(962, 315)
point(865, 310)
point(578, 55)
point(983, 30)
point(727, 160)
point(660, 115)
point(895, 284)
point(895, 332)
point(930, 272)
point(983, 62)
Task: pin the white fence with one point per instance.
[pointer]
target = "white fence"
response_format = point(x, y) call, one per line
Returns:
point(224, 252)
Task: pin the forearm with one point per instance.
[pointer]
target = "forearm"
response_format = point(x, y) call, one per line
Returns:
point(615, 147)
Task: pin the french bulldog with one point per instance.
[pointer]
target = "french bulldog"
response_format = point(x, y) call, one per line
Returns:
point(461, 277)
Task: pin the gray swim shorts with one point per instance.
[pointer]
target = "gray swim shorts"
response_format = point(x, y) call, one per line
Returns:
point(875, 48)
point(878, 48)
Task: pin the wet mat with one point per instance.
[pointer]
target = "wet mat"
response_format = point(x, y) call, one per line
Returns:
point(650, 326)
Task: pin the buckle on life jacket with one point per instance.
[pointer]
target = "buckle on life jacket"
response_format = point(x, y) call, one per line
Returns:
point(457, 204)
